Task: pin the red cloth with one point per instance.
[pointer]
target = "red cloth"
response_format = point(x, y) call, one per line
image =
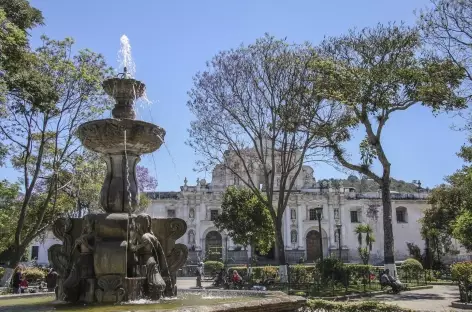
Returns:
point(24, 283)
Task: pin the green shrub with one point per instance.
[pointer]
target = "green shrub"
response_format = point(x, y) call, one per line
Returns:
point(365, 306)
point(2, 271)
point(33, 274)
point(210, 266)
point(302, 273)
point(359, 273)
point(332, 270)
point(265, 272)
point(462, 273)
point(412, 267)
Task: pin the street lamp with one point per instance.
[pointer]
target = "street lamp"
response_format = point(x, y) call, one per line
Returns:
point(319, 214)
point(338, 227)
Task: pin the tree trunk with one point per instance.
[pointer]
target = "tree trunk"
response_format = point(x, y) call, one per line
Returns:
point(389, 258)
point(16, 256)
point(279, 242)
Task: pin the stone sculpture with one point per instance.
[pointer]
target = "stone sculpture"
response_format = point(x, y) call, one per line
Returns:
point(117, 255)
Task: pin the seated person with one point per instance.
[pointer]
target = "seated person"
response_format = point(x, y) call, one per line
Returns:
point(387, 279)
point(236, 278)
point(24, 285)
point(219, 280)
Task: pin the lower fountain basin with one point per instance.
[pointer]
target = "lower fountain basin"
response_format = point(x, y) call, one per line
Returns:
point(187, 300)
point(107, 136)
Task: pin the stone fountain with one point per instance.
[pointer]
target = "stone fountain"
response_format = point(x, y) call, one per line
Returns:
point(117, 255)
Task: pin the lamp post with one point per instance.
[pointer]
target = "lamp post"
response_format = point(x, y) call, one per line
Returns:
point(226, 250)
point(319, 214)
point(338, 227)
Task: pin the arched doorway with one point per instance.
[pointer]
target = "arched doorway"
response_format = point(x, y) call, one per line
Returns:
point(213, 246)
point(313, 251)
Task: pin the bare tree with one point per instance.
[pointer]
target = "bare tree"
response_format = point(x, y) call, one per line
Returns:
point(447, 29)
point(255, 107)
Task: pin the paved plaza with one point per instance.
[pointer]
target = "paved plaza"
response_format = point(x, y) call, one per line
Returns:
point(437, 299)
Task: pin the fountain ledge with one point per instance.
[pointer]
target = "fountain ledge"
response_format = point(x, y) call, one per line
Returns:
point(270, 301)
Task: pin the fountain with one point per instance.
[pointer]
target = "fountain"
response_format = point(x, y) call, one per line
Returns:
point(118, 256)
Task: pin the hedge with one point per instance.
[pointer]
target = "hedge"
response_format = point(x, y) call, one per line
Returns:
point(364, 306)
point(306, 274)
point(210, 266)
point(412, 267)
point(33, 274)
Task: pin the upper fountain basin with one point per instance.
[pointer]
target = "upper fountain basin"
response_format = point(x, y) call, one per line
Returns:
point(124, 88)
point(107, 136)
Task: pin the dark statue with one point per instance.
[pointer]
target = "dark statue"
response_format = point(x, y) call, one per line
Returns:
point(117, 255)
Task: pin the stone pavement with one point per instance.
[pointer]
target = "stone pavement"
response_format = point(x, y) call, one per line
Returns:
point(438, 299)
point(188, 282)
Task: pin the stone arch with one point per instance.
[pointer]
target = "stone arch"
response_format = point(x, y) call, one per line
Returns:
point(312, 243)
point(213, 245)
point(401, 214)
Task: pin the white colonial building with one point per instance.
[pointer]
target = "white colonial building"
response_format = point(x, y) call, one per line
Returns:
point(199, 204)
point(342, 208)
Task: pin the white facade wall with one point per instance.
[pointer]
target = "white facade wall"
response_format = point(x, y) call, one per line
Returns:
point(195, 204)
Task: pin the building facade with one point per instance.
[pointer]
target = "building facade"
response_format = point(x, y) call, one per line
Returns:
point(342, 210)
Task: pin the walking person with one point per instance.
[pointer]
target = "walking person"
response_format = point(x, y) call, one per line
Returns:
point(16, 280)
point(51, 280)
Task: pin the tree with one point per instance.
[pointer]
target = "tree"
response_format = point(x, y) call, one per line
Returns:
point(146, 182)
point(9, 193)
point(39, 130)
point(447, 28)
point(365, 238)
point(376, 73)
point(20, 13)
point(450, 213)
point(246, 219)
point(255, 107)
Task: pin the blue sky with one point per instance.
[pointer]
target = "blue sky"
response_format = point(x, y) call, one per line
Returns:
point(172, 40)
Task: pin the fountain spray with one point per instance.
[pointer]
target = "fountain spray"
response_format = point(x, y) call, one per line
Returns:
point(125, 59)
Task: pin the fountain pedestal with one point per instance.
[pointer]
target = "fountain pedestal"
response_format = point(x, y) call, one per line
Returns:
point(117, 255)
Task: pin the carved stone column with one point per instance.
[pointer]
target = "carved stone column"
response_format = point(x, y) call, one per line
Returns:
point(117, 194)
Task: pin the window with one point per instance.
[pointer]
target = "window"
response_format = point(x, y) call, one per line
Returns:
point(354, 216)
point(293, 236)
point(312, 215)
point(401, 215)
point(170, 213)
point(336, 233)
point(236, 181)
point(34, 252)
point(213, 214)
point(293, 214)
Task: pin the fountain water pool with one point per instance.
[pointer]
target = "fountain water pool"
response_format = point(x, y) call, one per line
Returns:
point(187, 300)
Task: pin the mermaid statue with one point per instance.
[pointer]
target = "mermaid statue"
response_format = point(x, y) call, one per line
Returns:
point(151, 258)
point(82, 269)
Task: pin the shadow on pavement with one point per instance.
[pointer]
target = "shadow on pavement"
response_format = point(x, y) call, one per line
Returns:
point(410, 297)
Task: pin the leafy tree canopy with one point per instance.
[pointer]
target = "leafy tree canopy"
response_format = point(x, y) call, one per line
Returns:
point(246, 219)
